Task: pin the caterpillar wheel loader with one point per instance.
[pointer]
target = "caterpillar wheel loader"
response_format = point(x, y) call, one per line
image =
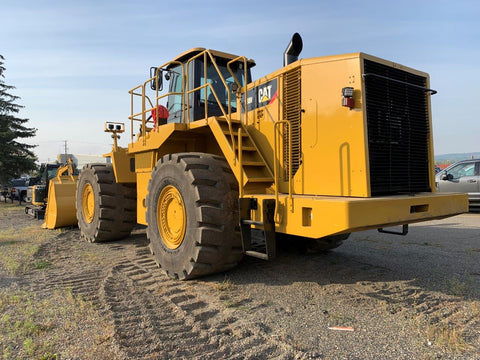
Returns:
point(316, 150)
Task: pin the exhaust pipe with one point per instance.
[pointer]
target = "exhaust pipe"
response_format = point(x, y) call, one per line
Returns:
point(293, 49)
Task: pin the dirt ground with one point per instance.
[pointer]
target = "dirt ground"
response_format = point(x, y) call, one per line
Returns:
point(413, 297)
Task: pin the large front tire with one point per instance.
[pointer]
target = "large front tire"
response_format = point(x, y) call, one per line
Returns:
point(192, 215)
point(106, 210)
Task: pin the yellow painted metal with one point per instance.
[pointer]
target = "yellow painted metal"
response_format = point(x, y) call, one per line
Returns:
point(330, 215)
point(60, 211)
point(88, 203)
point(171, 217)
point(121, 165)
point(142, 115)
point(330, 191)
point(286, 124)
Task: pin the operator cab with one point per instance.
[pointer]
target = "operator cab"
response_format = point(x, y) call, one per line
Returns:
point(202, 97)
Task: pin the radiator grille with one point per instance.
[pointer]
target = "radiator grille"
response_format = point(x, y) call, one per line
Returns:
point(398, 131)
point(292, 111)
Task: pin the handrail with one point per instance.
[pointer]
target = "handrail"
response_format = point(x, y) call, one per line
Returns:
point(207, 84)
point(184, 76)
point(144, 110)
point(239, 84)
point(275, 166)
point(240, 153)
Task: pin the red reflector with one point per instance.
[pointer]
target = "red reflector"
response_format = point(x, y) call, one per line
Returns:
point(348, 102)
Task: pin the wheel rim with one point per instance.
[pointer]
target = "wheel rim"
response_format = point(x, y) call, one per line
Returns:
point(171, 217)
point(88, 203)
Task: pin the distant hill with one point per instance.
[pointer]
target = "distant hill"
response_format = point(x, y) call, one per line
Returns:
point(451, 158)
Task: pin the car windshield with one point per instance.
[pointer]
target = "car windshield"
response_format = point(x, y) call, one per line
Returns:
point(18, 182)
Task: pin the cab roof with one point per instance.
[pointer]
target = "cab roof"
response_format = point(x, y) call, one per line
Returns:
point(194, 51)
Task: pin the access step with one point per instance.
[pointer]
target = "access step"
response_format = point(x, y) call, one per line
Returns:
point(268, 226)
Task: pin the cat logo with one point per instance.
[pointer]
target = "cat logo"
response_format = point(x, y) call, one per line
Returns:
point(264, 93)
point(261, 95)
point(267, 93)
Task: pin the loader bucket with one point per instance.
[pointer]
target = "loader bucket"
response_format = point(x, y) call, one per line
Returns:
point(60, 210)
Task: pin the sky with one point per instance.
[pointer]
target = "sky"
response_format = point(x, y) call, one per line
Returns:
point(73, 62)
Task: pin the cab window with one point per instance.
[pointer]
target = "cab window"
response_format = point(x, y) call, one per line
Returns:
point(174, 104)
point(213, 78)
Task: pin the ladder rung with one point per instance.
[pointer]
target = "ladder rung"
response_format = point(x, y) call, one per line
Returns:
point(256, 254)
point(260, 179)
point(235, 133)
point(252, 163)
point(252, 222)
point(234, 121)
point(248, 148)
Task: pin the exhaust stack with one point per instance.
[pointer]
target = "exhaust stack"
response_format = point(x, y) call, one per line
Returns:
point(293, 49)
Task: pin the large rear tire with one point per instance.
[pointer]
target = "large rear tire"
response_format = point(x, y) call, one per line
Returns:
point(192, 215)
point(106, 210)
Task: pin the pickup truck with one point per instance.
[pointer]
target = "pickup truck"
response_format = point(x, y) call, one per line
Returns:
point(19, 189)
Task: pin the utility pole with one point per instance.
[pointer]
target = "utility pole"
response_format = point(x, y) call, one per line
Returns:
point(66, 150)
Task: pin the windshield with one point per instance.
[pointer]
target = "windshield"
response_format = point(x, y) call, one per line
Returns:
point(18, 182)
point(52, 173)
point(213, 78)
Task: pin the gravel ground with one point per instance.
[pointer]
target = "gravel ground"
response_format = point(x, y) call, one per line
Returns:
point(412, 297)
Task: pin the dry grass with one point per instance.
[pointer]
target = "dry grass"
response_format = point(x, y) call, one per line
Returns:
point(18, 247)
point(226, 285)
point(447, 336)
point(453, 334)
point(52, 326)
point(32, 328)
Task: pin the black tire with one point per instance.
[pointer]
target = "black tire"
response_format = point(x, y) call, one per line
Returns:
point(304, 245)
point(326, 243)
point(211, 241)
point(114, 206)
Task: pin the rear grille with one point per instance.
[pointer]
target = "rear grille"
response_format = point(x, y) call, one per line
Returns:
point(398, 130)
point(292, 110)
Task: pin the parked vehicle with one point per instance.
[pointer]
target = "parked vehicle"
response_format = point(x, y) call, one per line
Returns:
point(19, 188)
point(229, 156)
point(5, 192)
point(463, 176)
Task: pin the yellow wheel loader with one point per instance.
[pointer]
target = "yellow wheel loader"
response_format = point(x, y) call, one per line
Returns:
point(316, 150)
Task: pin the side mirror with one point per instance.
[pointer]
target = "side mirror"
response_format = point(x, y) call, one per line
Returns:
point(157, 80)
point(446, 177)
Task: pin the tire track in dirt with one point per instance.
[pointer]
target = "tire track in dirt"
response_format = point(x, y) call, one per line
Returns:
point(156, 317)
point(63, 271)
point(153, 317)
point(443, 311)
point(439, 312)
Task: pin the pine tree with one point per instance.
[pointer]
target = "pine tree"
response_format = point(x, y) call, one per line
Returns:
point(16, 158)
